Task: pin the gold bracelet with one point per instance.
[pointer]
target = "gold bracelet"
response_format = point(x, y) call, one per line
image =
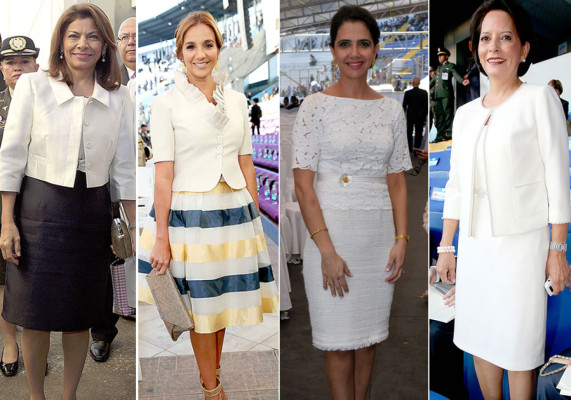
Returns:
point(323, 228)
point(405, 236)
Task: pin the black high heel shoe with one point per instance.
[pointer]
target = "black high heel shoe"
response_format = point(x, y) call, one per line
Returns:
point(9, 369)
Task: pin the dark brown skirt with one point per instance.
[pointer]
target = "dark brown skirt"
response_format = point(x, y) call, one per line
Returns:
point(59, 284)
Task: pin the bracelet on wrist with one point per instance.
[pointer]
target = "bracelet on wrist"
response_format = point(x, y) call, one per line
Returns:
point(403, 236)
point(558, 246)
point(312, 234)
point(446, 249)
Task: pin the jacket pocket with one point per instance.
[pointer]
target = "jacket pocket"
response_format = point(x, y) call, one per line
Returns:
point(530, 199)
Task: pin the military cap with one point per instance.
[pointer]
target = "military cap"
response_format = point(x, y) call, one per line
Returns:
point(443, 52)
point(18, 46)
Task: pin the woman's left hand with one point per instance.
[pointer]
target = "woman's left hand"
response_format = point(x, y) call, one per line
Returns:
point(396, 260)
point(557, 270)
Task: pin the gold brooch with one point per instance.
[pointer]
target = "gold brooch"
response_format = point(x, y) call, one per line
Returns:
point(345, 179)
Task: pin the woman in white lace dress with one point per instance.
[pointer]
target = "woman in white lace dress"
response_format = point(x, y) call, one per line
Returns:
point(354, 140)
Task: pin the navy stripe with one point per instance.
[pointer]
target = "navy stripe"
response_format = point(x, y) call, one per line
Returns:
point(144, 267)
point(266, 274)
point(217, 287)
point(210, 218)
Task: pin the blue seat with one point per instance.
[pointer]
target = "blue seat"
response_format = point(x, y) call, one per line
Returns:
point(439, 160)
point(437, 183)
point(436, 396)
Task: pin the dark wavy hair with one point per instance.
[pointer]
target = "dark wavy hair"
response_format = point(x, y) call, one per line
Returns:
point(521, 22)
point(354, 14)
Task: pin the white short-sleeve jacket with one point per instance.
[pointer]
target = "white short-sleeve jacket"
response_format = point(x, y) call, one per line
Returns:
point(43, 135)
point(526, 162)
point(203, 139)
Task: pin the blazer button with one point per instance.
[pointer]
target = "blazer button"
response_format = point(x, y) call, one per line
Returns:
point(219, 148)
point(219, 138)
point(219, 157)
point(88, 145)
point(86, 123)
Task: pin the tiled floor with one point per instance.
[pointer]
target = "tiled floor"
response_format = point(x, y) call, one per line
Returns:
point(249, 362)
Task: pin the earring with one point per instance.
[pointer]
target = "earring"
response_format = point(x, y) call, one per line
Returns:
point(61, 55)
point(373, 69)
point(103, 57)
point(216, 65)
point(523, 60)
point(334, 70)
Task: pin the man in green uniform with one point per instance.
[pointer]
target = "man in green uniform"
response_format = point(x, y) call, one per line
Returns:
point(444, 95)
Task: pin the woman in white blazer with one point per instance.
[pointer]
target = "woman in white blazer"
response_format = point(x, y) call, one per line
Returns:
point(509, 180)
point(207, 227)
point(68, 150)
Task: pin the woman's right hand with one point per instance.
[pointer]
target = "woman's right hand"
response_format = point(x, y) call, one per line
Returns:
point(160, 258)
point(334, 269)
point(10, 242)
point(446, 267)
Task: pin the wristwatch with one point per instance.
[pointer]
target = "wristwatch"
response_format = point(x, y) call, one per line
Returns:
point(558, 246)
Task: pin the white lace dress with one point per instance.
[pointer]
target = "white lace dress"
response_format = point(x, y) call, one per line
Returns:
point(352, 145)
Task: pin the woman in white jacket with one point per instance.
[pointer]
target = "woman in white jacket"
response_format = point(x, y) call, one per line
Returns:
point(68, 150)
point(509, 180)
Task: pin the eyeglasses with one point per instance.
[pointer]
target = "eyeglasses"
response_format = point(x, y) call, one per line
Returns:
point(126, 37)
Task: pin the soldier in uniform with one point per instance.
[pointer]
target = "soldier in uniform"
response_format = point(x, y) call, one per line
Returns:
point(444, 94)
point(18, 56)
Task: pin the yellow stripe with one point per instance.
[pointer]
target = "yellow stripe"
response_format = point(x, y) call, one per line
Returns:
point(206, 253)
point(270, 305)
point(222, 187)
point(230, 317)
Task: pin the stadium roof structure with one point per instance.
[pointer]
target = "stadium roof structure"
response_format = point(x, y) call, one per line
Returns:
point(162, 26)
point(299, 16)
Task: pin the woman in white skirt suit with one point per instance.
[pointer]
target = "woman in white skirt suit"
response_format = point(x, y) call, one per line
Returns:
point(354, 140)
point(509, 180)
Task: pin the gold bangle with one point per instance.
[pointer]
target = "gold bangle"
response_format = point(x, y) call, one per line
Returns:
point(323, 228)
point(405, 236)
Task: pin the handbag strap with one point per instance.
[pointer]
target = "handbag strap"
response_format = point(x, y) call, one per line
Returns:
point(116, 209)
point(557, 359)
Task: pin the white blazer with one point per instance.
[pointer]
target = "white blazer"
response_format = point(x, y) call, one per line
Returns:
point(202, 139)
point(526, 162)
point(43, 135)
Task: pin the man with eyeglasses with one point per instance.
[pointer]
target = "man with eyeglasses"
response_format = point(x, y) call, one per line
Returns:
point(104, 330)
point(127, 44)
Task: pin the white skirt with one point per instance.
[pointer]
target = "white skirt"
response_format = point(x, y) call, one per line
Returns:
point(501, 304)
point(363, 238)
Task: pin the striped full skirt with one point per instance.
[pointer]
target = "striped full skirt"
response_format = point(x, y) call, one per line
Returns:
point(219, 257)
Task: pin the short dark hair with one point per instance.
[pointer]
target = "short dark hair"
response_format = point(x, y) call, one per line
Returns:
point(255, 100)
point(354, 14)
point(521, 22)
point(556, 84)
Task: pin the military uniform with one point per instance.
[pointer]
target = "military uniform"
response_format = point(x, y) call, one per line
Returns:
point(444, 97)
point(12, 46)
point(5, 100)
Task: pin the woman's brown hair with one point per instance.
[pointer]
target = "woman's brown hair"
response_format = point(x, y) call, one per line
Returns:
point(192, 19)
point(107, 73)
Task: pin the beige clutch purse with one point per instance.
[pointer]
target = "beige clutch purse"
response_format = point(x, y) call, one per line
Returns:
point(170, 304)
